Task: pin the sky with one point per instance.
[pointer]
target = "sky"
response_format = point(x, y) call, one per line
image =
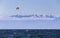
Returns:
point(29, 7)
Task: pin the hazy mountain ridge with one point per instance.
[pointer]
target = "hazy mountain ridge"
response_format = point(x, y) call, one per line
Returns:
point(29, 23)
point(37, 16)
point(30, 17)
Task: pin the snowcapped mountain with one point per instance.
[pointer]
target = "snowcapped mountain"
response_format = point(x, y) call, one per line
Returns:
point(29, 22)
point(27, 17)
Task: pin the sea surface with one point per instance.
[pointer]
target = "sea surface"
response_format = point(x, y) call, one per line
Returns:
point(29, 33)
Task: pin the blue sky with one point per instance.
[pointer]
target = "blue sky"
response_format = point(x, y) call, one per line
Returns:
point(27, 7)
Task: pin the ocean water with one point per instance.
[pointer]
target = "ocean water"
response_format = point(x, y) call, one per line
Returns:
point(22, 33)
point(29, 24)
